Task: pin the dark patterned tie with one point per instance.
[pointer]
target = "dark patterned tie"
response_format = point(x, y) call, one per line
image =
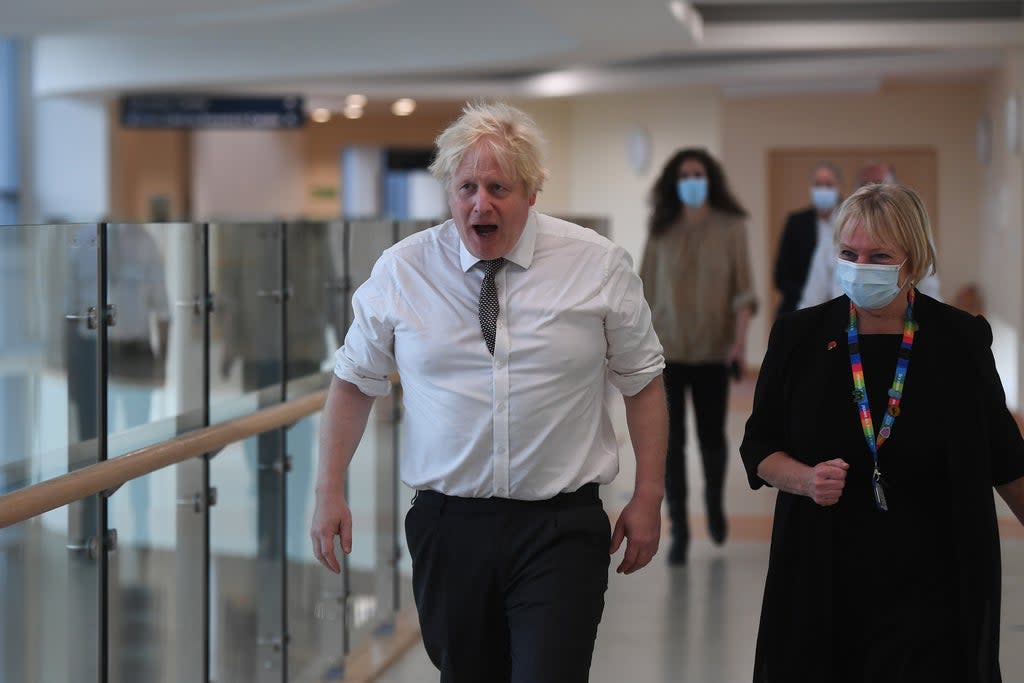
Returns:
point(489, 301)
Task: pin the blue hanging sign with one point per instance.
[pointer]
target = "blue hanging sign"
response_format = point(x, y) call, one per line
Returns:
point(168, 110)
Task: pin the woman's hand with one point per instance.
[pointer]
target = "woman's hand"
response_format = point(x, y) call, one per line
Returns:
point(826, 482)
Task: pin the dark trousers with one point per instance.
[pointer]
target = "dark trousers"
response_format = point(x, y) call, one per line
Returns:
point(509, 591)
point(709, 388)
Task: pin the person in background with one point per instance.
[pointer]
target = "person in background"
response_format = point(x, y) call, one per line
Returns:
point(505, 326)
point(821, 283)
point(804, 230)
point(885, 559)
point(696, 276)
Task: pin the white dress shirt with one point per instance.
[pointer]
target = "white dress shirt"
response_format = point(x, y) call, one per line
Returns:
point(531, 421)
point(821, 284)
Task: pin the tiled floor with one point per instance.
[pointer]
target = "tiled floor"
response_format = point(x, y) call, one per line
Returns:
point(698, 623)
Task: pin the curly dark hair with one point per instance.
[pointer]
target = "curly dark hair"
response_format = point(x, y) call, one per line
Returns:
point(665, 205)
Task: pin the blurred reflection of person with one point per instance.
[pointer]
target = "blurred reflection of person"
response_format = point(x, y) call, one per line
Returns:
point(136, 338)
point(137, 341)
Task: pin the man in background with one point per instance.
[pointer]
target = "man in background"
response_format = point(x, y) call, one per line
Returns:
point(804, 230)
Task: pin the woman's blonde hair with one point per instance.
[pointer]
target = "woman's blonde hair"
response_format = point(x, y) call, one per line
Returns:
point(891, 214)
point(512, 135)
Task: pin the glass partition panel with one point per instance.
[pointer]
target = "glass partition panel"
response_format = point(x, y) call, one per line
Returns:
point(155, 286)
point(337, 289)
point(366, 241)
point(247, 334)
point(316, 597)
point(246, 582)
point(155, 281)
point(48, 351)
point(49, 627)
point(247, 524)
point(49, 570)
point(144, 596)
point(312, 275)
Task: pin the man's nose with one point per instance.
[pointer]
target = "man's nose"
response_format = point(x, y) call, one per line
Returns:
point(482, 204)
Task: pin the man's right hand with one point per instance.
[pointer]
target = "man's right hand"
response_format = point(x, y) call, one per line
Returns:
point(331, 518)
point(826, 482)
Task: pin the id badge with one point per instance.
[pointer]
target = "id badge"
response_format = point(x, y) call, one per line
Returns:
point(878, 486)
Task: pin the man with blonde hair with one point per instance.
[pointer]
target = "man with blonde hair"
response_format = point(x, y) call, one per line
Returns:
point(505, 326)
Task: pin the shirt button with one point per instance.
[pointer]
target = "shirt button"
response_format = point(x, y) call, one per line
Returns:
point(501, 406)
point(500, 364)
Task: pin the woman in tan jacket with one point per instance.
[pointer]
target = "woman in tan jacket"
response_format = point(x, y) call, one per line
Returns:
point(696, 275)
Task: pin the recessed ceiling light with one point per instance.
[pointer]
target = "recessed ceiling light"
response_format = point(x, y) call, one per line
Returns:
point(355, 100)
point(321, 115)
point(352, 111)
point(403, 107)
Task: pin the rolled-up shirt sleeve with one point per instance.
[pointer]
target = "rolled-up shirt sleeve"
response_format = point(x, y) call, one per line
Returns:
point(367, 357)
point(634, 351)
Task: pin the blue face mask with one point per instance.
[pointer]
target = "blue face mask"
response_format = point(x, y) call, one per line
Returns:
point(824, 198)
point(868, 285)
point(693, 191)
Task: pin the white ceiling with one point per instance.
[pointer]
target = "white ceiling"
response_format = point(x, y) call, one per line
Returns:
point(458, 48)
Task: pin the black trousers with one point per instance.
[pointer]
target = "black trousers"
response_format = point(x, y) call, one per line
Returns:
point(509, 591)
point(709, 388)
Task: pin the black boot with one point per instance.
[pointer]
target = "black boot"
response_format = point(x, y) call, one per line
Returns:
point(679, 550)
point(717, 524)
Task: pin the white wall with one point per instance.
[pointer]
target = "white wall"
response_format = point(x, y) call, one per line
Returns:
point(553, 118)
point(1000, 258)
point(247, 174)
point(71, 159)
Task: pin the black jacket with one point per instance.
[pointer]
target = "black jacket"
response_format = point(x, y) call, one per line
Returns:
point(793, 260)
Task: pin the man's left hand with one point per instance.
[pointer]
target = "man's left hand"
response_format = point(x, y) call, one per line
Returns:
point(640, 525)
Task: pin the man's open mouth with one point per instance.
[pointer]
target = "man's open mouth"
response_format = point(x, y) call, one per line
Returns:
point(485, 229)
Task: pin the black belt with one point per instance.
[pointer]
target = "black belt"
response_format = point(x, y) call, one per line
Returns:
point(587, 494)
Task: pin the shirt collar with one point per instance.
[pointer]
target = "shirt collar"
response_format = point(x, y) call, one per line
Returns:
point(521, 254)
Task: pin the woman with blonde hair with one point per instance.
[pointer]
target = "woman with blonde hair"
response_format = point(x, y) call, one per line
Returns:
point(880, 419)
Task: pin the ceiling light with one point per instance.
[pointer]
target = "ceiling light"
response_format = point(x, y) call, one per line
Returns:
point(355, 101)
point(321, 115)
point(403, 107)
point(687, 15)
point(352, 111)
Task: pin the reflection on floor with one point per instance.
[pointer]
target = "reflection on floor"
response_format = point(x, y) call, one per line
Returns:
point(699, 622)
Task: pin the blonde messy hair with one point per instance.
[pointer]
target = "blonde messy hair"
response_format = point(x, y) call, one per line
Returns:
point(891, 214)
point(512, 135)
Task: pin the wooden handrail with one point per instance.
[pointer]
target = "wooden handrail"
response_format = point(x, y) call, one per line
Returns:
point(51, 494)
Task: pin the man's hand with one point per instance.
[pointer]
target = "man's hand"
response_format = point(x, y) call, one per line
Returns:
point(640, 525)
point(331, 518)
point(826, 482)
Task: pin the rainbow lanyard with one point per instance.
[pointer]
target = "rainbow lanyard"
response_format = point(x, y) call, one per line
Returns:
point(860, 392)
